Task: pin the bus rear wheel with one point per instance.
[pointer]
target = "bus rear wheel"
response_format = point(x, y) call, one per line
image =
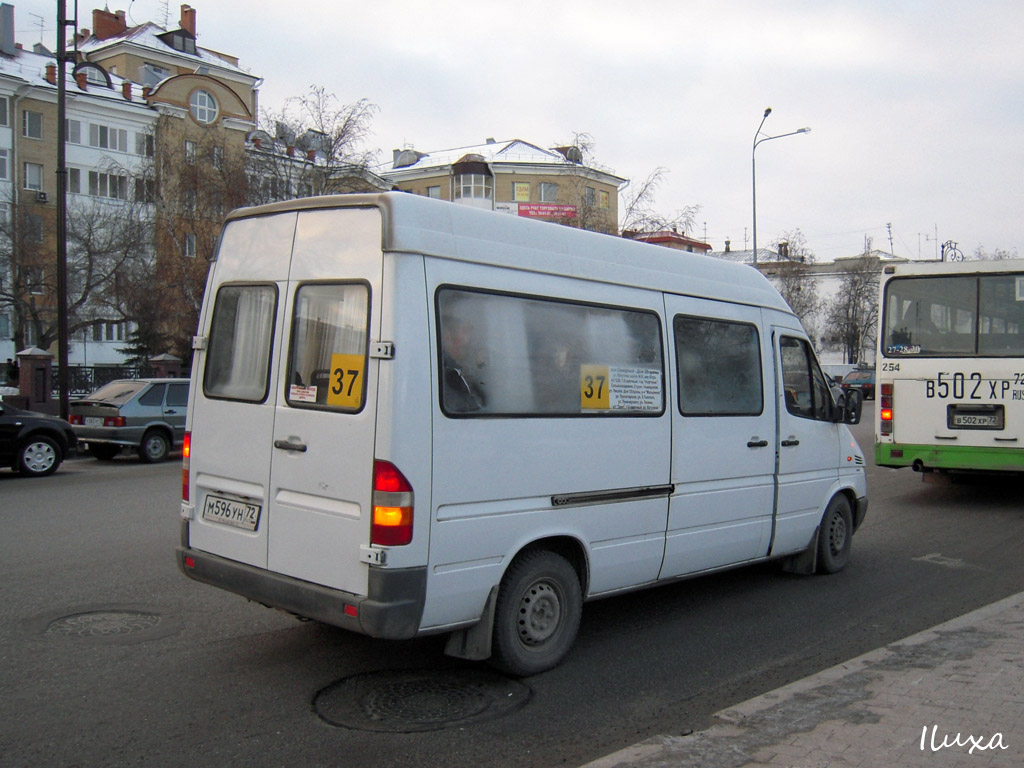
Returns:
point(537, 614)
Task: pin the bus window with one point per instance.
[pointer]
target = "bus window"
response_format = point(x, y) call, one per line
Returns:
point(1001, 330)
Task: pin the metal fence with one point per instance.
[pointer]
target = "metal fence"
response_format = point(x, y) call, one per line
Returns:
point(83, 379)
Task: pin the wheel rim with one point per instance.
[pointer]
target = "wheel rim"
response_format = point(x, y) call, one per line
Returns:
point(540, 613)
point(837, 533)
point(39, 457)
point(155, 448)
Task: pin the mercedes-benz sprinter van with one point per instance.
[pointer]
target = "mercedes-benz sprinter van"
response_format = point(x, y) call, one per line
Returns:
point(409, 416)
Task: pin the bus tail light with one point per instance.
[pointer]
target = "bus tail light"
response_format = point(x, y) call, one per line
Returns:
point(885, 409)
point(186, 453)
point(392, 506)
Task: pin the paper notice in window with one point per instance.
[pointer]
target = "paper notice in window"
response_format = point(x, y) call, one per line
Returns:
point(617, 388)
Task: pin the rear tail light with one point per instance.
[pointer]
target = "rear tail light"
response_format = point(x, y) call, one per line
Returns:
point(186, 453)
point(885, 409)
point(108, 421)
point(392, 506)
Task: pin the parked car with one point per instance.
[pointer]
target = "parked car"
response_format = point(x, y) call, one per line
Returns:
point(33, 443)
point(144, 415)
point(862, 379)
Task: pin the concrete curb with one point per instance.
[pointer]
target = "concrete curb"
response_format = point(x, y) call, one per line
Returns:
point(939, 697)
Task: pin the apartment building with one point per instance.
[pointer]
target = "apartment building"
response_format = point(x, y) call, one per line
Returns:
point(156, 135)
point(514, 177)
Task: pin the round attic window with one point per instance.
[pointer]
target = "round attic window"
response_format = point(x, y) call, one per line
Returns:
point(203, 107)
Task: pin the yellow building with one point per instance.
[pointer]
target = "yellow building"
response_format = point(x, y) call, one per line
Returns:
point(514, 177)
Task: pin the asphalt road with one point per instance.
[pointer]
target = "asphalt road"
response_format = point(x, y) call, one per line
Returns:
point(108, 656)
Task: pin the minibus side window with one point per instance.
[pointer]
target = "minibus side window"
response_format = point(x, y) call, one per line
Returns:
point(807, 392)
point(509, 355)
point(719, 367)
point(330, 325)
point(241, 334)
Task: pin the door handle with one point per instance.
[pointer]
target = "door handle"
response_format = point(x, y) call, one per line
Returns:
point(790, 442)
point(755, 443)
point(284, 445)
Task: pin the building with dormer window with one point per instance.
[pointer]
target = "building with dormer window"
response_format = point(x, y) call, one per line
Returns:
point(514, 177)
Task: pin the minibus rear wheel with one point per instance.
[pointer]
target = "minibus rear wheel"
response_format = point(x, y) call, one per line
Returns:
point(537, 614)
point(835, 536)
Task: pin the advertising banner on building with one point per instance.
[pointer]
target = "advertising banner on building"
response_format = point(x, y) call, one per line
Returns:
point(538, 210)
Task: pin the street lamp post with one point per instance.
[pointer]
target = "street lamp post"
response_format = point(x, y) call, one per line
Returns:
point(759, 139)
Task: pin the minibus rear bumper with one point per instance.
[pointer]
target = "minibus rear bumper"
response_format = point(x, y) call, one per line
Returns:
point(392, 609)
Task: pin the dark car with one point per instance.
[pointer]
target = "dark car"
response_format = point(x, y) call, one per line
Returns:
point(33, 443)
point(143, 415)
point(862, 379)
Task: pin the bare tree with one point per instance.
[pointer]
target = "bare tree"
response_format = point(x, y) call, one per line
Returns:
point(792, 276)
point(313, 146)
point(852, 318)
point(27, 282)
point(108, 240)
point(997, 255)
point(792, 246)
point(579, 175)
point(794, 281)
point(638, 212)
point(199, 177)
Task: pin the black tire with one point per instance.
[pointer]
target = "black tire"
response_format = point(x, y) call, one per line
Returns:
point(39, 456)
point(835, 536)
point(537, 614)
point(104, 452)
point(154, 447)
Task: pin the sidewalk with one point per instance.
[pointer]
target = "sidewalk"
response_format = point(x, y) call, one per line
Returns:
point(950, 696)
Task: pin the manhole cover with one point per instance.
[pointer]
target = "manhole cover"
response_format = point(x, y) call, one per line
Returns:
point(407, 701)
point(103, 623)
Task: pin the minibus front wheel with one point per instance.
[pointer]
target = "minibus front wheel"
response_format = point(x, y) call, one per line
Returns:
point(836, 535)
point(537, 614)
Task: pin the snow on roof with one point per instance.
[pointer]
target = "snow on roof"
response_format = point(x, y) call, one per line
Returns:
point(30, 67)
point(25, 65)
point(147, 35)
point(508, 151)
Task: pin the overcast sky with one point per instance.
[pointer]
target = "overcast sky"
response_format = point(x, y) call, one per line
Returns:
point(916, 106)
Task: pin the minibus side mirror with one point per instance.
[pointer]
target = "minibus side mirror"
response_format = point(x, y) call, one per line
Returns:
point(850, 410)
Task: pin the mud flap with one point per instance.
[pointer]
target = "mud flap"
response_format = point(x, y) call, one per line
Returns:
point(804, 563)
point(474, 643)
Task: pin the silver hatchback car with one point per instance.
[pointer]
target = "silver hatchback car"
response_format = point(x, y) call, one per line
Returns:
point(144, 415)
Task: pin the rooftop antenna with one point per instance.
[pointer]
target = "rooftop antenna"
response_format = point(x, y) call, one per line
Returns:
point(41, 23)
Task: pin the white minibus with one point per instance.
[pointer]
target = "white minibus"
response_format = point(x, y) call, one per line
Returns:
point(409, 417)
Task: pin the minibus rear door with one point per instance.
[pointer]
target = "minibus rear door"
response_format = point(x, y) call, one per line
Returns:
point(324, 426)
